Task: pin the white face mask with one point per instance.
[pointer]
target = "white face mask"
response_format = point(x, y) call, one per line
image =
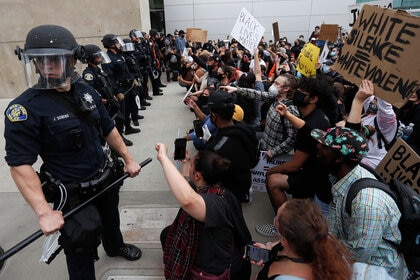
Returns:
point(325, 68)
point(273, 90)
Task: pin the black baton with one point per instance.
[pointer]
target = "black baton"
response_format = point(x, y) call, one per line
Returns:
point(39, 233)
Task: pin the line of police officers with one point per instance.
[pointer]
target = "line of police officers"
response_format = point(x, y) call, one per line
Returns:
point(122, 81)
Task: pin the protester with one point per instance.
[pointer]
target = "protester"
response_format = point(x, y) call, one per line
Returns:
point(209, 232)
point(304, 249)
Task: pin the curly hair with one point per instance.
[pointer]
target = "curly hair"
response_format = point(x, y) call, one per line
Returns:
point(302, 224)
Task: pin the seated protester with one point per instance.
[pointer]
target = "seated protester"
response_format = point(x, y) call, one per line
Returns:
point(304, 250)
point(200, 98)
point(209, 232)
point(279, 134)
point(244, 60)
point(208, 127)
point(226, 75)
point(234, 141)
point(381, 120)
point(186, 73)
point(210, 65)
point(327, 69)
point(302, 176)
point(410, 113)
point(250, 106)
point(371, 230)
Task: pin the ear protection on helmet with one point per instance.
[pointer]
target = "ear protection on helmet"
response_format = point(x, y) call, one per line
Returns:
point(18, 52)
point(80, 53)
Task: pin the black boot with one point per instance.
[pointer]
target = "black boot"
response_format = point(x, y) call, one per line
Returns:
point(131, 130)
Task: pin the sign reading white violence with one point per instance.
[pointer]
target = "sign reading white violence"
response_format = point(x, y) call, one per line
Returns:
point(383, 47)
point(247, 30)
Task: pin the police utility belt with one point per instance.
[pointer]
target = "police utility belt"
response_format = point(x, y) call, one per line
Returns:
point(77, 192)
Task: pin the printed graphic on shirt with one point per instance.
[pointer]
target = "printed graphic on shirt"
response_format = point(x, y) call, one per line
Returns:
point(16, 113)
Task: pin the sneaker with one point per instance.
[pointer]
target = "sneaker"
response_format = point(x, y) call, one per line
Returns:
point(268, 230)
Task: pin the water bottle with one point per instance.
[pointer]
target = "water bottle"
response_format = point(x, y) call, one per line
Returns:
point(407, 131)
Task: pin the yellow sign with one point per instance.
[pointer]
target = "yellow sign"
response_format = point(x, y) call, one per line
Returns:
point(307, 59)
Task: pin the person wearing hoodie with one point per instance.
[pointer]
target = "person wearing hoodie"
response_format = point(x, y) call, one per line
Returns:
point(234, 141)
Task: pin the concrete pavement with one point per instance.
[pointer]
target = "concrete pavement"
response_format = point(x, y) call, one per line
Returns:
point(146, 205)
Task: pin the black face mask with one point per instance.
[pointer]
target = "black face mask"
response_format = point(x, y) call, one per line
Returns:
point(219, 76)
point(299, 99)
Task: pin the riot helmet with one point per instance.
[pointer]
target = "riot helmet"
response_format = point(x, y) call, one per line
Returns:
point(128, 46)
point(95, 55)
point(134, 33)
point(49, 56)
point(110, 40)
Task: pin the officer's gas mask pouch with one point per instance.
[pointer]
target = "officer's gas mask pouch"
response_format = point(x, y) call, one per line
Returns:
point(48, 68)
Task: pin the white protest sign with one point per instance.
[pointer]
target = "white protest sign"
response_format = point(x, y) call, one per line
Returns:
point(259, 172)
point(247, 30)
point(355, 9)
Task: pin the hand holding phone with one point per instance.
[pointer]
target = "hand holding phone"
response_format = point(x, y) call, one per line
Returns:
point(256, 254)
point(180, 148)
point(198, 128)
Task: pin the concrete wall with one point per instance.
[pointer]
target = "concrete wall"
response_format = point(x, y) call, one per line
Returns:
point(87, 20)
point(218, 17)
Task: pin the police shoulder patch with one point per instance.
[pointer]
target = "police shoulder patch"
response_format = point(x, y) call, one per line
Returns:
point(16, 113)
point(88, 77)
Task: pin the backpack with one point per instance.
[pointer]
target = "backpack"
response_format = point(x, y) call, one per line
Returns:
point(408, 202)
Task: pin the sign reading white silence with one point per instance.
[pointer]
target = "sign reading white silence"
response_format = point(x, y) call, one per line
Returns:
point(247, 30)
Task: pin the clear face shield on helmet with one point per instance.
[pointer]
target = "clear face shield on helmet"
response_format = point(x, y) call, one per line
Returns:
point(128, 47)
point(49, 68)
point(100, 57)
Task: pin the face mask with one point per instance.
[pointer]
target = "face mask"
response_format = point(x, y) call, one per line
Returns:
point(325, 68)
point(219, 76)
point(299, 99)
point(193, 66)
point(332, 54)
point(273, 90)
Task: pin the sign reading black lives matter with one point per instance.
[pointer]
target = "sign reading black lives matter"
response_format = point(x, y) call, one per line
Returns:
point(383, 47)
point(247, 30)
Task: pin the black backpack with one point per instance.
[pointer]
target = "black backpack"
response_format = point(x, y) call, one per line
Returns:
point(408, 202)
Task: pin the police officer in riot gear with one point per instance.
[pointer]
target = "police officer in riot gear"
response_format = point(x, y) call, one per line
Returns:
point(144, 60)
point(98, 79)
point(60, 119)
point(124, 82)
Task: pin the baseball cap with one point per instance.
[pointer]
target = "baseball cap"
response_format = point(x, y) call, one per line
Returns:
point(348, 142)
point(214, 57)
point(220, 99)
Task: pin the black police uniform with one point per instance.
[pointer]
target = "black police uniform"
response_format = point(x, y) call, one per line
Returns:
point(99, 80)
point(152, 66)
point(118, 71)
point(69, 146)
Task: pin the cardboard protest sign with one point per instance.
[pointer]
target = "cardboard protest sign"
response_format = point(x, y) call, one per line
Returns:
point(328, 32)
point(354, 10)
point(259, 172)
point(307, 59)
point(402, 163)
point(247, 30)
point(196, 35)
point(276, 32)
point(383, 47)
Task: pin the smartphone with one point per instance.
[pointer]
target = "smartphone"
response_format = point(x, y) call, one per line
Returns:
point(256, 254)
point(198, 128)
point(180, 146)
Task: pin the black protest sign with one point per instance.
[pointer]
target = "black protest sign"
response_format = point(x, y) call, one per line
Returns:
point(383, 47)
point(401, 163)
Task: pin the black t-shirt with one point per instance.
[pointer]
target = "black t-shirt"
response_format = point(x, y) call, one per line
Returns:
point(317, 173)
point(217, 235)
